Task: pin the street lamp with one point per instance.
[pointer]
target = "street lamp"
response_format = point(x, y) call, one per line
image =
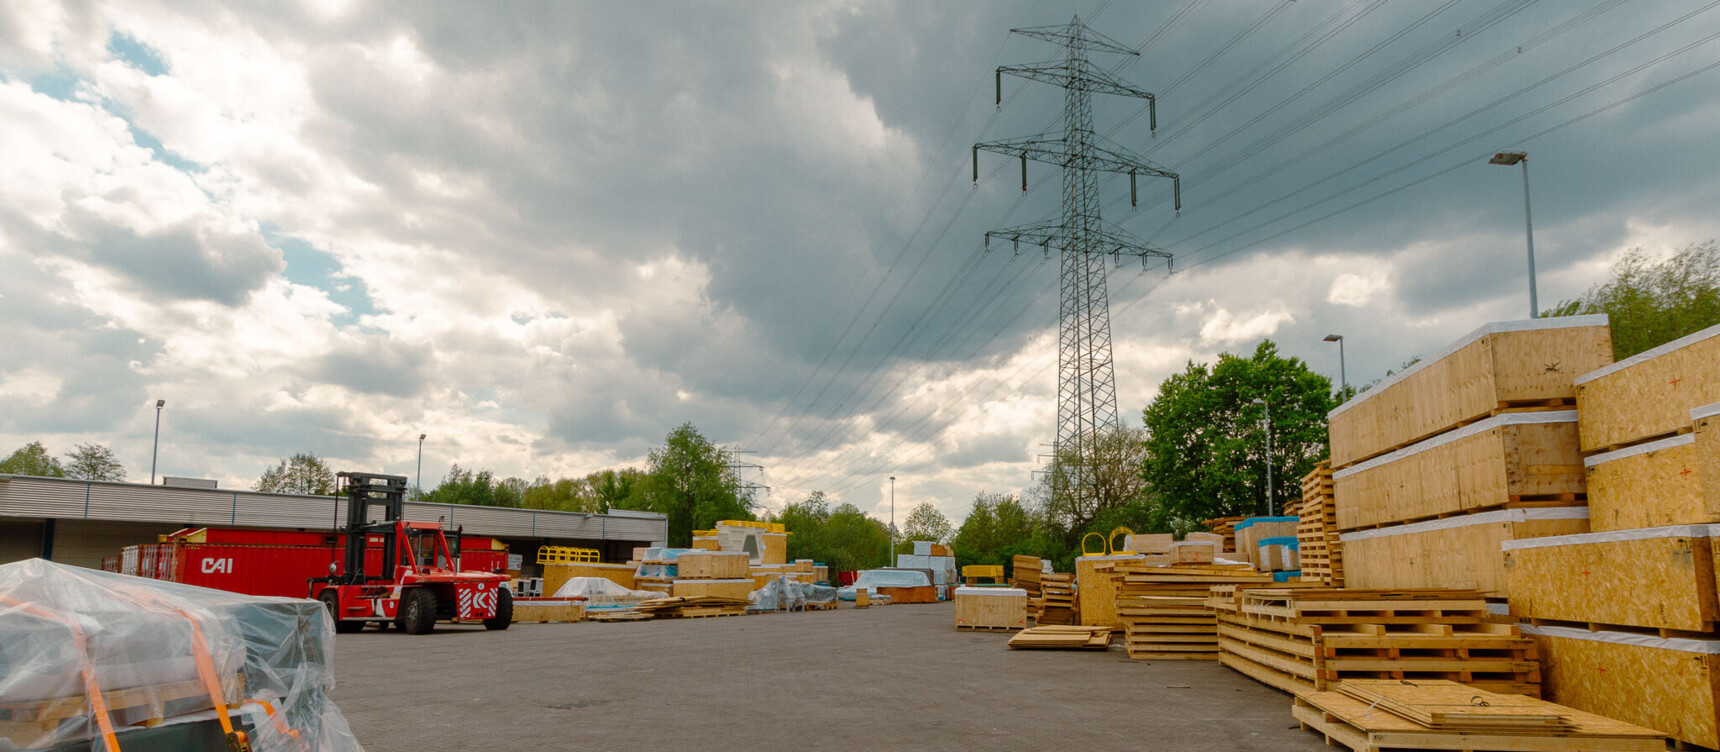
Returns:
point(1509, 158)
point(892, 557)
point(1268, 409)
point(418, 492)
point(156, 448)
point(1343, 381)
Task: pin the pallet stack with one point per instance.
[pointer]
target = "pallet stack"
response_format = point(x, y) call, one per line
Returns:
point(1440, 464)
point(1164, 610)
point(1302, 639)
point(1225, 526)
point(1058, 604)
point(1062, 637)
point(1626, 614)
point(712, 574)
point(1024, 573)
point(1321, 552)
point(1369, 716)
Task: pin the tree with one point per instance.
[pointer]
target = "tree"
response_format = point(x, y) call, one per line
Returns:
point(694, 483)
point(466, 486)
point(1205, 448)
point(1652, 302)
point(1114, 466)
point(841, 537)
point(93, 462)
point(32, 459)
point(926, 523)
point(300, 474)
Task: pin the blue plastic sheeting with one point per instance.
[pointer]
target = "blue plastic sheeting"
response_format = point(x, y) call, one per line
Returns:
point(1250, 521)
point(1282, 540)
point(1285, 576)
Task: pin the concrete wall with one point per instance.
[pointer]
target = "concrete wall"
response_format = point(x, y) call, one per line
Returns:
point(86, 542)
point(20, 539)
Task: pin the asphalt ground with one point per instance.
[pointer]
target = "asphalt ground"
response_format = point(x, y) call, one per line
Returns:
point(883, 678)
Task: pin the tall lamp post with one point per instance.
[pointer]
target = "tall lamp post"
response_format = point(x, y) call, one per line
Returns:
point(418, 492)
point(1268, 410)
point(1509, 158)
point(1343, 380)
point(155, 449)
point(892, 557)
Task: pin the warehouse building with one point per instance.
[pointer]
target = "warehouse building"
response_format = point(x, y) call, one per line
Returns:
point(82, 522)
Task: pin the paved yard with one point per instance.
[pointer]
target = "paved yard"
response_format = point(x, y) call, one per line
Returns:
point(887, 678)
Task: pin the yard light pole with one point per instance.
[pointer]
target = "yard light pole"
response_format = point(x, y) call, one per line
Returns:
point(1268, 410)
point(1343, 381)
point(155, 449)
point(892, 557)
point(1509, 158)
point(418, 492)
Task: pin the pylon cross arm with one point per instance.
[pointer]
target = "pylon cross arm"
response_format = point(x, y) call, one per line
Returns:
point(1056, 151)
point(1081, 73)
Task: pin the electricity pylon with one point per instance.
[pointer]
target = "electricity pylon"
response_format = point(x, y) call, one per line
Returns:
point(1086, 384)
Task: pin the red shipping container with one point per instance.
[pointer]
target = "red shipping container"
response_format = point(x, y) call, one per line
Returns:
point(277, 562)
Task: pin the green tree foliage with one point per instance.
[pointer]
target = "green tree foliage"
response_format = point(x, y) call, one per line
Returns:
point(466, 486)
point(1003, 526)
point(301, 473)
point(32, 459)
point(694, 483)
point(1651, 302)
point(93, 462)
point(615, 488)
point(1205, 450)
point(841, 537)
point(926, 523)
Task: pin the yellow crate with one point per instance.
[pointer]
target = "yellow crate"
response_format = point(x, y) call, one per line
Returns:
point(994, 571)
point(567, 555)
point(769, 527)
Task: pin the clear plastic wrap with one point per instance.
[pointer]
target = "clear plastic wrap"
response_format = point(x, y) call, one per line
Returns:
point(786, 594)
point(87, 657)
point(872, 579)
point(599, 592)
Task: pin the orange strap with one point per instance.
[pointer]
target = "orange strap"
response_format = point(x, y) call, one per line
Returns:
point(98, 703)
point(236, 740)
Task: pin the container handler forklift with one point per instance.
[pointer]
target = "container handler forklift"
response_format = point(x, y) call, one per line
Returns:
point(419, 582)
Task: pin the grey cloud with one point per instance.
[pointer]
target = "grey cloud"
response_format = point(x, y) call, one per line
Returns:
point(186, 261)
point(376, 364)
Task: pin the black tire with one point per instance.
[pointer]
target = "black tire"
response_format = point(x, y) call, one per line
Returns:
point(417, 614)
point(331, 601)
point(504, 611)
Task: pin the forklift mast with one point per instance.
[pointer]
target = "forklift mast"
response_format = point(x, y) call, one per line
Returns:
point(364, 491)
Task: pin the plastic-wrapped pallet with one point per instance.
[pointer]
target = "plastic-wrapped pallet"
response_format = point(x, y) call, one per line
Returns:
point(97, 660)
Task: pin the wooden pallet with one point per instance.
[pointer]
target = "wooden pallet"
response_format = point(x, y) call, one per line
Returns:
point(986, 628)
point(1349, 722)
point(618, 615)
point(1164, 610)
point(1320, 550)
point(1062, 637)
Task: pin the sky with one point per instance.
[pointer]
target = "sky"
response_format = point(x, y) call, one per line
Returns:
point(546, 234)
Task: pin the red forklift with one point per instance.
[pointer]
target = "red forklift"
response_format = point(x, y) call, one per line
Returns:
point(419, 582)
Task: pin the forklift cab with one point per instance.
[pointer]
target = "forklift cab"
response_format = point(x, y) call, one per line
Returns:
point(422, 546)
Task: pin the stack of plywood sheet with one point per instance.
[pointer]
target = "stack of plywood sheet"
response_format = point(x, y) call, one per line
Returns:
point(1058, 605)
point(1164, 611)
point(1321, 552)
point(1096, 588)
point(1380, 716)
point(1024, 573)
point(1299, 639)
point(1063, 637)
point(1626, 614)
point(1441, 464)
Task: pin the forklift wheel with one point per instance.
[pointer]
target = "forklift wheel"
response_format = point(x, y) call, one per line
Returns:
point(331, 601)
point(504, 611)
point(417, 611)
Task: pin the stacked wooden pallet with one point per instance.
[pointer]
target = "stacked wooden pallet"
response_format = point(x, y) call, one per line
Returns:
point(1322, 553)
point(1024, 573)
point(1057, 603)
point(1299, 639)
point(1376, 716)
point(692, 607)
point(1225, 526)
point(1062, 637)
point(1164, 610)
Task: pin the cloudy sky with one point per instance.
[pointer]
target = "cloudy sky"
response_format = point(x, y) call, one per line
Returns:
point(546, 234)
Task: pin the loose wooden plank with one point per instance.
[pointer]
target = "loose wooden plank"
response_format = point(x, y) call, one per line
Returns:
point(1354, 724)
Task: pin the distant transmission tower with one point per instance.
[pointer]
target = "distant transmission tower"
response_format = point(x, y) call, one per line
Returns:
point(1086, 384)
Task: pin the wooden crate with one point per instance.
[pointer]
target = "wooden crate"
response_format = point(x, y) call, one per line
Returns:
point(916, 594)
point(1670, 685)
point(706, 543)
point(1096, 589)
point(556, 575)
point(991, 608)
point(1249, 533)
point(775, 549)
point(1193, 552)
point(737, 589)
point(542, 610)
point(1506, 459)
point(1347, 721)
point(1456, 552)
point(1150, 543)
point(1651, 394)
point(1503, 366)
point(712, 565)
point(1058, 604)
point(1659, 578)
point(1671, 481)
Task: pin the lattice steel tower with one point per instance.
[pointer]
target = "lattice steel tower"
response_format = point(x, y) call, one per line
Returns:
point(1086, 384)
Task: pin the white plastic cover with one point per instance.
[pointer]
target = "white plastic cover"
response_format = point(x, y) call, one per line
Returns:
point(783, 593)
point(599, 592)
point(149, 650)
point(872, 579)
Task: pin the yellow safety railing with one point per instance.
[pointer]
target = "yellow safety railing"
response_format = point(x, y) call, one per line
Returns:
point(567, 555)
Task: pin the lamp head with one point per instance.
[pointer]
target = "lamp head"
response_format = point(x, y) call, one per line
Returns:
point(1508, 157)
point(421, 436)
point(160, 404)
point(1334, 338)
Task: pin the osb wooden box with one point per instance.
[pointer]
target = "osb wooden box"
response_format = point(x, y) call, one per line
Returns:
point(1096, 583)
point(994, 608)
point(734, 588)
point(1455, 552)
point(1670, 481)
point(1508, 458)
point(712, 565)
point(1670, 685)
point(1658, 578)
point(1502, 365)
point(1650, 394)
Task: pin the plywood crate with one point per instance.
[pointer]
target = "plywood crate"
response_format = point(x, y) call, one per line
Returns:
point(556, 575)
point(1251, 531)
point(1096, 589)
point(1650, 394)
point(547, 610)
point(1502, 366)
point(706, 543)
point(737, 588)
point(1193, 552)
point(1670, 481)
point(1670, 685)
point(1506, 459)
point(915, 594)
point(1659, 578)
point(1149, 543)
point(1456, 552)
point(775, 549)
point(712, 565)
point(991, 608)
